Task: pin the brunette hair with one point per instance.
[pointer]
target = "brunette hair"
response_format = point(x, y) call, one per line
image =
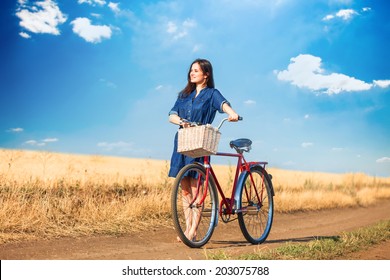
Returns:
point(207, 69)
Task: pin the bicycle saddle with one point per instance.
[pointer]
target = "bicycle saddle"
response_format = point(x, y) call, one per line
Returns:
point(241, 145)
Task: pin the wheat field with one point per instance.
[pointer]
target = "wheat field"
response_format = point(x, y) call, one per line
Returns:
point(46, 195)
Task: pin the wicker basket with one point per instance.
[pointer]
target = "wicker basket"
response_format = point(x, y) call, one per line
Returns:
point(198, 141)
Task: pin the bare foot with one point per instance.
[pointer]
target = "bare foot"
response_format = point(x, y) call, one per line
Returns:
point(185, 233)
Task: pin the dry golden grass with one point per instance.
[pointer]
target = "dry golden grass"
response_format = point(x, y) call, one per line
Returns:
point(297, 190)
point(44, 195)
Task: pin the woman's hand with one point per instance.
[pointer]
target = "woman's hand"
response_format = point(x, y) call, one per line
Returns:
point(185, 124)
point(233, 117)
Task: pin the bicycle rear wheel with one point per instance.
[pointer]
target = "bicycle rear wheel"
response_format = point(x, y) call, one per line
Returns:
point(194, 209)
point(257, 206)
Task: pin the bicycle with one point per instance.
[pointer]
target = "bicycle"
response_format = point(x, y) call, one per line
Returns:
point(195, 205)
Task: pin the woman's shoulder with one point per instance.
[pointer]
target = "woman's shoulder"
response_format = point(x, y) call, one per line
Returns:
point(215, 93)
point(182, 95)
point(212, 90)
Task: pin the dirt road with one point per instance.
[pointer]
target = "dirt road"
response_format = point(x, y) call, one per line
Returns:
point(161, 243)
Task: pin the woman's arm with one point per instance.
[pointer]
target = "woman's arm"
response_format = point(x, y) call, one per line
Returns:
point(233, 116)
point(175, 119)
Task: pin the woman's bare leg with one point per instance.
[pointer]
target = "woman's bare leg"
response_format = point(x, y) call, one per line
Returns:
point(196, 209)
point(186, 201)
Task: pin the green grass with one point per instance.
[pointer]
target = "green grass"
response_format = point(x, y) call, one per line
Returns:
point(336, 247)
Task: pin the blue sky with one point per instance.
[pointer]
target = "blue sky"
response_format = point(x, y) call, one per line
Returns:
point(310, 78)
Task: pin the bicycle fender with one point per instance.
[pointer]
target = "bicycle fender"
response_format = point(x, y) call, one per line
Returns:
point(240, 184)
point(268, 176)
point(198, 163)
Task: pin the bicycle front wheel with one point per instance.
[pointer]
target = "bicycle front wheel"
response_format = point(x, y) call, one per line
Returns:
point(194, 206)
point(257, 206)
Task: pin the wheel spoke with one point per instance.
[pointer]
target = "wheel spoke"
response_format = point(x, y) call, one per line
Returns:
point(194, 206)
point(257, 202)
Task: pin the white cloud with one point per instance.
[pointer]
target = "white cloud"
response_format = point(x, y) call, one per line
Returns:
point(328, 17)
point(50, 140)
point(337, 149)
point(171, 27)
point(189, 23)
point(92, 2)
point(250, 102)
point(16, 129)
point(178, 31)
point(305, 71)
point(340, 2)
point(162, 89)
point(120, 145)
point(344, 14)
point(197, 48)
point(42, 17)
point(41, 143)
point(108, 83)
point(35, 143)
point(31, 142)
point(95, 15)
point(383, 160)
point(91, 33)
point(25, 35)
point(382, 83)
point(114, 7)
point(307, 144)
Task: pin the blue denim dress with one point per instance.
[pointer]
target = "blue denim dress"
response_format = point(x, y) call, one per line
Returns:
point(200, 109)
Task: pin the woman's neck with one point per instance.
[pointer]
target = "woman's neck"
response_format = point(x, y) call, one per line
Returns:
point(199, 87)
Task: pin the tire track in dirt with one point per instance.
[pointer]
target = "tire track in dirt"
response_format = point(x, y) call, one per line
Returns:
point(160, 243)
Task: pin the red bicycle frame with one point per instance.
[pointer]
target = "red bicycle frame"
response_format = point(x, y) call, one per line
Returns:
point(242, 166)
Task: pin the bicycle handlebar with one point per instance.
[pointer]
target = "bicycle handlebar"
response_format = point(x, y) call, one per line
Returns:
point(218, 127)
point(225, 119)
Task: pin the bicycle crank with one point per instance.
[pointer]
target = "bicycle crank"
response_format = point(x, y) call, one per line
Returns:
point(224, 210)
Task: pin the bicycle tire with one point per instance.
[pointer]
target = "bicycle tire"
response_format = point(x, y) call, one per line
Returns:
point(207, 212)
point(255, 218)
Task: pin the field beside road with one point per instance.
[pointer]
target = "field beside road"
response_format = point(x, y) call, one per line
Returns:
point(112, 207)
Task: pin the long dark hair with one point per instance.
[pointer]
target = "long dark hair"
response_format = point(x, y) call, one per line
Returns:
point(207, 69)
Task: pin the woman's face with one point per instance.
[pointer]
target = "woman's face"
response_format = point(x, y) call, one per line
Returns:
point(196, 74)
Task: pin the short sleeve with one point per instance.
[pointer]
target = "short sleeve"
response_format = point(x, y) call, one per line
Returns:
point(217, 100)
point(175, 109)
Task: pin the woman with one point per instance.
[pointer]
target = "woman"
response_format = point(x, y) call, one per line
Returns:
point(197, 102)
